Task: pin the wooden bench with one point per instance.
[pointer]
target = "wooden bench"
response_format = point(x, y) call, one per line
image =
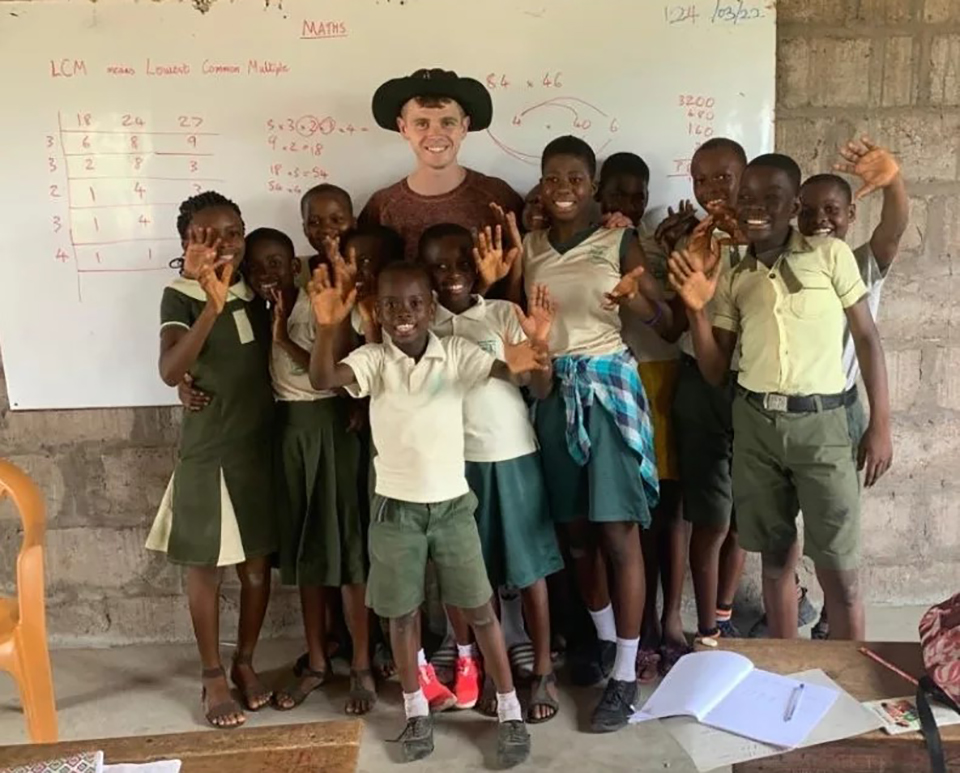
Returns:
point(864, 679)
point(317, 747)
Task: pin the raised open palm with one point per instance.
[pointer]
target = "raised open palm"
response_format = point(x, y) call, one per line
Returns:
point(541, 311)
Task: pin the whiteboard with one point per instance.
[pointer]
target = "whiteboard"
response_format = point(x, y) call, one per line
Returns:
point(117, 111)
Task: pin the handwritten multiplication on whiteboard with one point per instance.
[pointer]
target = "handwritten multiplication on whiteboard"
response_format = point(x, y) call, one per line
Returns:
point(552, 79)
point(715, 12)
point(116, 182)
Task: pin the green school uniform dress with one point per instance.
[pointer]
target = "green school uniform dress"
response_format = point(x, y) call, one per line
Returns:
point(218, 509)
point(322, 523)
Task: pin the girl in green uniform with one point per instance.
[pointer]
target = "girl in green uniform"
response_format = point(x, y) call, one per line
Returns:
point(218, 508)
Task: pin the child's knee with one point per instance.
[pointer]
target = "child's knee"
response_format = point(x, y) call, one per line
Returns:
point(253, 577)
point(480, 617)
point(775, 564)
point(620, 543)
point(405, 623)
point(843, 586)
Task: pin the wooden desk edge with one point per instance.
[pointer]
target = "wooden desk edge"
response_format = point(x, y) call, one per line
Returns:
point(198, 744)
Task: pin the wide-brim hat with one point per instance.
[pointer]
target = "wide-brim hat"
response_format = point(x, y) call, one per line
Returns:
point(470, 94)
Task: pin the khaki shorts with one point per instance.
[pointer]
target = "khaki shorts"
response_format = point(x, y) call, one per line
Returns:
point(787, 462)
point(404, 535)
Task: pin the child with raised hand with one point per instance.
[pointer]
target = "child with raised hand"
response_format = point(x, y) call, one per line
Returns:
point(321, 524)
point(423, 508)
point(327, 212)
point(828, 208)
point(219, 508)
point(623, 195)
point(502, 460)
point(701, 411)
point(790, 432)
point(594, 428)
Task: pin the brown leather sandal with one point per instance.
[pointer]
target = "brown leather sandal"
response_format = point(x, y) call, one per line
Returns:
point(215, 714)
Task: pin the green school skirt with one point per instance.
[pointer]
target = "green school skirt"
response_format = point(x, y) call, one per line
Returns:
point(609, 488)
point(322, 531)
point(516, 534)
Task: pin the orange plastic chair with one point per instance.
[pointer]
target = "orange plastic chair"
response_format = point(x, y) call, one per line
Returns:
point(23, 625)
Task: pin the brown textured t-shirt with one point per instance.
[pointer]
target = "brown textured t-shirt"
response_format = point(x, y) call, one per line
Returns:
point(410, 214)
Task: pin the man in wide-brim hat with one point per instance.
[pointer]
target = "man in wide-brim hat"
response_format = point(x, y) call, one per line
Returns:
point(433, 110)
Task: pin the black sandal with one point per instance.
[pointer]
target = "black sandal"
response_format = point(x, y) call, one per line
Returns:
point(250, 696)
point(360, 693)
point(296, 693)
point(540, 696)
point(221, 710)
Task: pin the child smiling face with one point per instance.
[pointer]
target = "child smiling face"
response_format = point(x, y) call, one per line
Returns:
point(448, 257)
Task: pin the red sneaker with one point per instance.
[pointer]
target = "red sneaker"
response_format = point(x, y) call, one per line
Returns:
point(467, 685)
point(438, 696)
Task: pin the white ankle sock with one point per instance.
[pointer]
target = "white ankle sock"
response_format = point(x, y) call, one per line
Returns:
point(511, 618)
point(605, 623)
point(415, 704)
point(625, 666)
point(508, 707)
point(421, 658)
point(467, 650)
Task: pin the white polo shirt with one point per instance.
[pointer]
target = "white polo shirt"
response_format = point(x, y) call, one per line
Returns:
point(291, 383)
point(873, 278)
point(416, 414)
point(496, 423)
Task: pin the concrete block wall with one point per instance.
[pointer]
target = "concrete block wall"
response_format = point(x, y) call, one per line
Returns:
point(891, 68)
point(887, 67)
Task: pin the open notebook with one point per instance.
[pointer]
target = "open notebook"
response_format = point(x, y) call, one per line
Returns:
point(724, 690)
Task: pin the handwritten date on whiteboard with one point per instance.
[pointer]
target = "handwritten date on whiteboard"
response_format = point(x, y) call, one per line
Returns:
point(717, 12)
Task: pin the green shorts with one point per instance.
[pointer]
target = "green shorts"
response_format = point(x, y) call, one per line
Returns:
point(856, 421)
point(404, 535)
point(787, 462)
point(516, 533)
point(703, 426)
point(609, 488)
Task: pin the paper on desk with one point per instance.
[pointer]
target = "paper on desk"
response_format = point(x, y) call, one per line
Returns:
point(161, 766)
point(756, 709)
point(710, 749)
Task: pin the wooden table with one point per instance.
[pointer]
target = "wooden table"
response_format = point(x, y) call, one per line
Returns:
point(875, 752)
point(317, 747)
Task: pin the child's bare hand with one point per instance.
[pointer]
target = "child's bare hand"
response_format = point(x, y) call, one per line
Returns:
point(344, 269)
point(541, 311)
point(676, 225)
point(279, 318)
point(695, 287)
point(703, 248)
point(190, 397)
point(358, 415)
point(874, 165)
point(367, 307)
point(492, 261)
point(616, 220)
point(203, 249)
point(625, 290)
point(524, 357)
point(330, 305)
point(216, 285)
point(875, 454)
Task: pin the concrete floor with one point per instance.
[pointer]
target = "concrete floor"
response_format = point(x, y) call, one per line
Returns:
point(154, 689)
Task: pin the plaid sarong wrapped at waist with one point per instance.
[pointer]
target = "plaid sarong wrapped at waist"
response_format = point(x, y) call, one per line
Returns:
point(613, 380)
